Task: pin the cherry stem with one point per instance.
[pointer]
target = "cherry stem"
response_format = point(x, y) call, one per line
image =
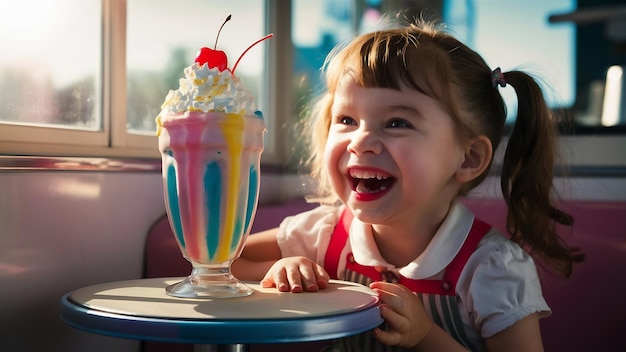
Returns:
point(220, 30)
point(250, 47)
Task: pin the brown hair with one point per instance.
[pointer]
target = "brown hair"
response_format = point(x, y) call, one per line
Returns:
point(436, 64)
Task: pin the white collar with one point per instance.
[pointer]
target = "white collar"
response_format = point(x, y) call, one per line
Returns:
point(438, 254)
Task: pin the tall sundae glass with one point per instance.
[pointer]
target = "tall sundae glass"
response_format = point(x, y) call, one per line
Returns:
point(211, 140)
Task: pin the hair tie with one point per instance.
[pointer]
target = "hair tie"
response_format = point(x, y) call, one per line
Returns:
point(497, 78)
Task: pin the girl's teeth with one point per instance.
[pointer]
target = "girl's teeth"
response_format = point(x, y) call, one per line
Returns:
point(367, 175)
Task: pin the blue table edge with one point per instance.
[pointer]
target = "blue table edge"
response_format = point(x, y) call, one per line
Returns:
point(199, 331)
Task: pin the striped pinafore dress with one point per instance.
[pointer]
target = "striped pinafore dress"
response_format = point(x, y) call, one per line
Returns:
point(438, 296)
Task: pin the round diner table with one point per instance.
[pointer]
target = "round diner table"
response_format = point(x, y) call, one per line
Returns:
point(141, 310)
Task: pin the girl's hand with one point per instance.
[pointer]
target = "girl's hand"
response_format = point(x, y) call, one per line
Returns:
point(296, 274)
point(407, 321)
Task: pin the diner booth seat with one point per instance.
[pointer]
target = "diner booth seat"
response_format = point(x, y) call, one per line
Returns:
point(588, 313)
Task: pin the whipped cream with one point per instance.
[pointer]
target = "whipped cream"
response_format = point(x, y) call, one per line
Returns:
point(205, 89)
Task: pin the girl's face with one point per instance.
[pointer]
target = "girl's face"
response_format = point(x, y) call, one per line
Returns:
point(392, 155)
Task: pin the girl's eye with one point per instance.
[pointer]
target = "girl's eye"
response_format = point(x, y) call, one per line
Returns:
point(347, 120)
point(398, 123)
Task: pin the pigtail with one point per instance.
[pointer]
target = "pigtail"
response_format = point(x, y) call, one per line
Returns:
point(527, 174)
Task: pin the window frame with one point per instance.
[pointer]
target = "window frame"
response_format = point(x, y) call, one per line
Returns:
point(114, 35)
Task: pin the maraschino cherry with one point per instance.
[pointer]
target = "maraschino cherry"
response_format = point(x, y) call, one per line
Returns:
point(214, 57)
point(217, 58)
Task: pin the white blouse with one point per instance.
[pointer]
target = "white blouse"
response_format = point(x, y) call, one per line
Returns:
point(498, 286)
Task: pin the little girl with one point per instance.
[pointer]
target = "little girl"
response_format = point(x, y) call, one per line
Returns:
point(408, 125)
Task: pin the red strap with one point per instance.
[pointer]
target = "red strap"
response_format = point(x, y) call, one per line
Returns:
point(477, 232)
point(337, 243)
point(447, 285)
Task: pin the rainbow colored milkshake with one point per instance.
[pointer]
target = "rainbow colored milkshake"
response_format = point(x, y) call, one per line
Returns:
point(211, 140)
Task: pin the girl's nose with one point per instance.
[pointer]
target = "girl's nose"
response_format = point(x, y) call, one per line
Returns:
point(365, 141)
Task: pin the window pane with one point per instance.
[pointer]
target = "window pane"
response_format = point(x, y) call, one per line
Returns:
point(50, 63)
point(163, 37)
point(531, 43)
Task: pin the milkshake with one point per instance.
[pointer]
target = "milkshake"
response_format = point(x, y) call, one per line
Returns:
point(211, 181)
point(211, 140)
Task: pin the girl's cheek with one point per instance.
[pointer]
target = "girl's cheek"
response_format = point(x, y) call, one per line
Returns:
point(332, 167)
point(330, 162)
point(330, 151)
point(335, 159)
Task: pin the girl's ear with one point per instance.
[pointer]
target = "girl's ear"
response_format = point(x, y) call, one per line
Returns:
point(478, 152)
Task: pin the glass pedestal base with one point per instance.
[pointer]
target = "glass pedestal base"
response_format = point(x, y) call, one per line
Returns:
point(209, 282)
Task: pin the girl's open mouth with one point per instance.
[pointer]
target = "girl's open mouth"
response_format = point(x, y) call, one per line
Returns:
point(370, 185)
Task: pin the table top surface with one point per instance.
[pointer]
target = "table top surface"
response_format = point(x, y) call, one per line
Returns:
point(140, 309)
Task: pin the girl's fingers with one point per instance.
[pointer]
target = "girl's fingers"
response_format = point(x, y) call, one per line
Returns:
point(294, 280)
point(296, 275)
point(407, 320)
point(322, 277)
point(309, 278)
point(390, 299)
point(276, 278)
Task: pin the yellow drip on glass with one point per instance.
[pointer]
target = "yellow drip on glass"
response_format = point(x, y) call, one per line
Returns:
point(232, 127)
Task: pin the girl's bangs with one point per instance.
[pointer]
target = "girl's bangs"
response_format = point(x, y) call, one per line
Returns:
point(387, 59)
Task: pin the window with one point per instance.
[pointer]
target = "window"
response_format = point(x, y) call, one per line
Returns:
point(41, 84)
point(530, 42)
point(50, 71)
